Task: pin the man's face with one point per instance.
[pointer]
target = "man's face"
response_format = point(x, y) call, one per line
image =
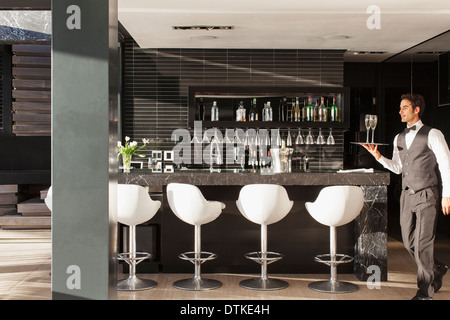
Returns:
point(407, 113)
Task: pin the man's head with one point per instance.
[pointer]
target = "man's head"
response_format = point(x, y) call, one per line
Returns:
point(412, 107)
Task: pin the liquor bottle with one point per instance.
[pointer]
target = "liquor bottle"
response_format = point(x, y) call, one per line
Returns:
point(214, 112)
point(267, 112)
point(253, 114)
point(293, 111)
point(322, 110)
point(306, 114)
point(241, 112)
point(328, 107)
point(334, 111)
point(316, 111)
point(201, 110)
point(282, 110)
point(297, 115)
point(311, 111)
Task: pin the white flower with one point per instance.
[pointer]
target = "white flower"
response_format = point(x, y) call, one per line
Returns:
point(119, 143)
point(133, 143)
point(127, 138)
point(145, 141)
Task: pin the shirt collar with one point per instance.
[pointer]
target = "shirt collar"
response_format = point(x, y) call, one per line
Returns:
point(418, 125)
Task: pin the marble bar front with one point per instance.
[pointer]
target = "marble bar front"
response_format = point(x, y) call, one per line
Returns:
point(298, 236)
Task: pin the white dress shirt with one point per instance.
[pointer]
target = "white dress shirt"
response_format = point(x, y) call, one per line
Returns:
point(436, 142)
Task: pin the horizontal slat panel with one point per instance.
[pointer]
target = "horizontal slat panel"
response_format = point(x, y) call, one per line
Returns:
point(156, 83)
point(32, 89)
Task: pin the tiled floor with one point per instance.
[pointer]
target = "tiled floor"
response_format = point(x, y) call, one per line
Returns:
point(25, 261)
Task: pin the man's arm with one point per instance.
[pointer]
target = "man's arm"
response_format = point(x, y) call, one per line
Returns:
point(437, 143)
point(394, 164)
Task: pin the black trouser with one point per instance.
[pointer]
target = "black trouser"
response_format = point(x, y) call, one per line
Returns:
point(418, 216)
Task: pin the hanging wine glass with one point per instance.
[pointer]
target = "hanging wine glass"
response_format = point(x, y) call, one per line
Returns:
point(330, 139)
point(309, 137)
point(227, 138)
point(289, 139)
point(367, 123)
point(299, 139)
point(205, 137)
point(320, 139)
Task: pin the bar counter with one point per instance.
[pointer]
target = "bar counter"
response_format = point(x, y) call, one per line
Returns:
point(298, 236)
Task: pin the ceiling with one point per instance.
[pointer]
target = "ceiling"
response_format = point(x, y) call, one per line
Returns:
point(405, 25)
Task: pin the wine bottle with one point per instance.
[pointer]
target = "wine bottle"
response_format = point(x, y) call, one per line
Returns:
point(253, 114)
point(334, 111)
point(201, 110)
point(322, 110)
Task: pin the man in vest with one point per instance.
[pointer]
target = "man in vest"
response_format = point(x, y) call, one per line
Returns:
point(420, 154)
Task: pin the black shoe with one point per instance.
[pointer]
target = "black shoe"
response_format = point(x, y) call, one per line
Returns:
point(440, 270)
point(419, 297)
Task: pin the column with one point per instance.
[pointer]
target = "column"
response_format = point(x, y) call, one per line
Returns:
point(84, 143)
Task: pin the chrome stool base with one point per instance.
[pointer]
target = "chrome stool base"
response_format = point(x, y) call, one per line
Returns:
point(333, 286)
point(263, 284)
point(194, 284)
point(134, 284)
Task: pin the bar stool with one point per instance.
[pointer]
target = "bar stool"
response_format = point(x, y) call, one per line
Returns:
point(264, 204)
point(135, 206)
point(335, 206)
point(189, 205)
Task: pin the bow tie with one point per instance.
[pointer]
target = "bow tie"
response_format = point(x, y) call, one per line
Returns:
point(410, 128)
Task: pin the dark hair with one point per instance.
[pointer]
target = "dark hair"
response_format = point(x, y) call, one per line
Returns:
point(416, 100)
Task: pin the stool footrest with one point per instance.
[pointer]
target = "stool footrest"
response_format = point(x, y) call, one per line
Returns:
point(192, 256)
point(340, 259)
point(139, 257)
point(257, 256)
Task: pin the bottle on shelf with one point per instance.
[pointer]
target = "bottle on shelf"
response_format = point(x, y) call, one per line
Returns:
point(293, 111)
point(267, 112)
point(241, 112)
point(201, 110)
point(282, 110)
point(316, 111)
point(297, 114)
point(214, 112)
point(334, 112)
point(253, 114)
point(306, 114)
point(322, 110)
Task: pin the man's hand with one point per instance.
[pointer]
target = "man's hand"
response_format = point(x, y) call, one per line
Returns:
point(446, 205)
point(373, 150)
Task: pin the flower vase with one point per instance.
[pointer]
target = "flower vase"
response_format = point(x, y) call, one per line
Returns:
point(126, 160)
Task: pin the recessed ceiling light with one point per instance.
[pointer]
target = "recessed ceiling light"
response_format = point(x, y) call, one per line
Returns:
point(368, 52)
point(335, 37)
point(203, 38)
point(207, 28)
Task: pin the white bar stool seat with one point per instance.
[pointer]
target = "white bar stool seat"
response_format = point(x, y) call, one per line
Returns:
point(264, 204)
point(189, 205)
point(135, 206)
point(335, 206)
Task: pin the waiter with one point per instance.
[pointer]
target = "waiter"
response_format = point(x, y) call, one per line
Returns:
point(422, 156)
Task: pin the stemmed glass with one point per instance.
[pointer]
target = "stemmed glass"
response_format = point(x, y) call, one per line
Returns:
point(299, 139)
point(289, 139)
point(309, 137)
point(330, 139)
point(367, 123)
point(320, 139)
point(373, 124)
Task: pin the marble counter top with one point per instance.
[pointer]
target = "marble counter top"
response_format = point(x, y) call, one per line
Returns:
point(204, 177)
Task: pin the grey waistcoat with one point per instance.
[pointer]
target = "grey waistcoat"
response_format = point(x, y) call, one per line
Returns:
point(418, 162)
